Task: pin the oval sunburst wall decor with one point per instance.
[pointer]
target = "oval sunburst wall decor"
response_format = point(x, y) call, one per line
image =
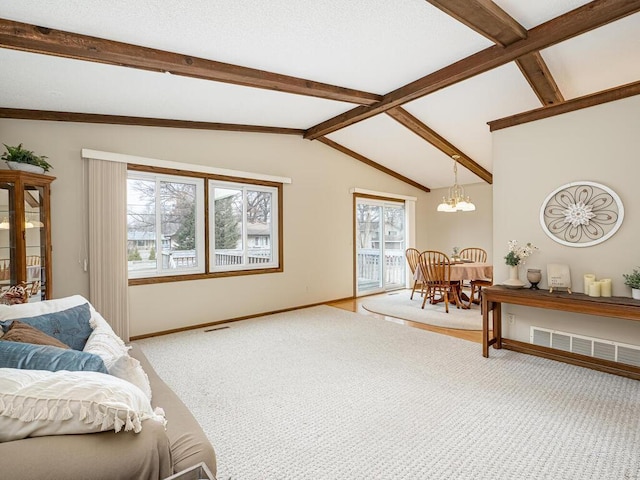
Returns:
point(581, 214)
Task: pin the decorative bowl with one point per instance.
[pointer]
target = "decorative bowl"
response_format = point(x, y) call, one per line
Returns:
point(25, 167)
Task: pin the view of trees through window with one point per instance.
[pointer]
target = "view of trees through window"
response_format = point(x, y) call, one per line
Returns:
point(228, 219)
point(243, 227)
point(166, 219)
point(368, 218)
point(161, 221)
point(380, 243)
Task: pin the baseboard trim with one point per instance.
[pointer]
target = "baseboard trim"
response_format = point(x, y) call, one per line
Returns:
point(606, 366)
point(234, 319)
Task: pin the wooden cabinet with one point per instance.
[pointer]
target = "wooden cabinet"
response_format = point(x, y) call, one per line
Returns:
point(25, 232)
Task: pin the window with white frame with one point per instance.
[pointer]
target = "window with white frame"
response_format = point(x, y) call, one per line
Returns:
point(165, 225)
point(243, 226)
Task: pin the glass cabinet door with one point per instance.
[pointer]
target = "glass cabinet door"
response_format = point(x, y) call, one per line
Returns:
point(25, 237)
point(8, 274)
point(35, 241)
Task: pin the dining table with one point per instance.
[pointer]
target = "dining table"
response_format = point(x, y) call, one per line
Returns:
point(461, 271)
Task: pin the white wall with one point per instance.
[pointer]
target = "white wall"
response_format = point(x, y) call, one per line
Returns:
point(318, 231)
point(599, 144)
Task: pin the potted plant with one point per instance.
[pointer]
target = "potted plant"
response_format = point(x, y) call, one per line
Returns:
point(633, 280)
point(19, 158)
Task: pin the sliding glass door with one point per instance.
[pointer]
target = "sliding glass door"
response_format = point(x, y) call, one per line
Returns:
point(380, 243)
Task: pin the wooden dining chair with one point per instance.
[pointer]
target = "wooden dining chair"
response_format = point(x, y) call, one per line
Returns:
point(436, 267)
point(33, 260)
point(413, 254)
point(476, 254)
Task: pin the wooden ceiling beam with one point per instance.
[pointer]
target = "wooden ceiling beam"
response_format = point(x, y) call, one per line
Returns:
point(535, 70)
point(139, 121)
point(610, 95)
point(371, 163)
point(31, 38)
point(488, 19)
point(576, 22)
point(415, 125)
point(485, 17)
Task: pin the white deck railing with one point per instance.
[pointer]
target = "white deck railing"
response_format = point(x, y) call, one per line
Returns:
point(369, 261)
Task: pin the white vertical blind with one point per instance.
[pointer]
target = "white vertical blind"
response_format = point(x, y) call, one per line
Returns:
point(108, 284)
point(410, 232)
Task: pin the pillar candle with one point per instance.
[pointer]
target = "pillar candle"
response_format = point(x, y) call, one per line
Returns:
point(605, 287)
point(589, 278)
point(594, 289)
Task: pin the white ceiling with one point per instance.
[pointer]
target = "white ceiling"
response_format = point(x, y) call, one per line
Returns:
point(375, 46)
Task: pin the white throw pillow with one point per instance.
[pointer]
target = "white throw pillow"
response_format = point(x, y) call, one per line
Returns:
point(129, 369)
point(103, 341)
point(115, 354)
point(37, 403)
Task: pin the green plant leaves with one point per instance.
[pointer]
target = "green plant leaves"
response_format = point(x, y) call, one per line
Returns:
point(22, 155)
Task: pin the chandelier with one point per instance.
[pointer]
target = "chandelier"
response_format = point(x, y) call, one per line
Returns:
point(457, 200)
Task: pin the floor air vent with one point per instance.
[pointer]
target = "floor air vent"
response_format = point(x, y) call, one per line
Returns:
point(590, 346)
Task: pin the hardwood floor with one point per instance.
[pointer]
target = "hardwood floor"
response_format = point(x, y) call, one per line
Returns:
point(355, 305)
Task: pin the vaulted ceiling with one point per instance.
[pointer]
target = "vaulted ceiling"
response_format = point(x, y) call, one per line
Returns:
point(400, 85)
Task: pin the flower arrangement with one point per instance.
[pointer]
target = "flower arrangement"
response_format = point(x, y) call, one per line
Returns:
point(517, 254)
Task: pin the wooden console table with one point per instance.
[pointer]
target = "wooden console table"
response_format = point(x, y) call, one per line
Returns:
point(615, 307)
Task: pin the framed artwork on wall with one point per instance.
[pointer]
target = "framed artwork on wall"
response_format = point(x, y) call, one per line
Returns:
point(581, 214)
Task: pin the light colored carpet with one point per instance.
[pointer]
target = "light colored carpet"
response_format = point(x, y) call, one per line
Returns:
point(399, 304)
point(325, 394)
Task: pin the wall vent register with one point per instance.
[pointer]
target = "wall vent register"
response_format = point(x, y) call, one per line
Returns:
point(589, 346)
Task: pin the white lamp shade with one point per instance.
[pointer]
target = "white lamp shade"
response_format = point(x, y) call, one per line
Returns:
point(462, 206)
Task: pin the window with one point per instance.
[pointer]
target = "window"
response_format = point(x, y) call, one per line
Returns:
point(243, 224)
point(166, 225)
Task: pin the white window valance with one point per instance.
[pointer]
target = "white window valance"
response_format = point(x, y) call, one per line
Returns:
point(153, 162)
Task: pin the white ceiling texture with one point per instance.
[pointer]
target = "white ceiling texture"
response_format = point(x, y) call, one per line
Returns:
point(374, 46)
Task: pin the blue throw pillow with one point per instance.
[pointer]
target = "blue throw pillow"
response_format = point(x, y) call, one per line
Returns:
point(70, 326)
point(29, 356)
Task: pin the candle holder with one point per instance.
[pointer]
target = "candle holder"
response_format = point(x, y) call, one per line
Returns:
point(534, 276)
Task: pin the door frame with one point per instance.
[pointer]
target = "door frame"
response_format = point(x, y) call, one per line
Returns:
point(409, 224)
